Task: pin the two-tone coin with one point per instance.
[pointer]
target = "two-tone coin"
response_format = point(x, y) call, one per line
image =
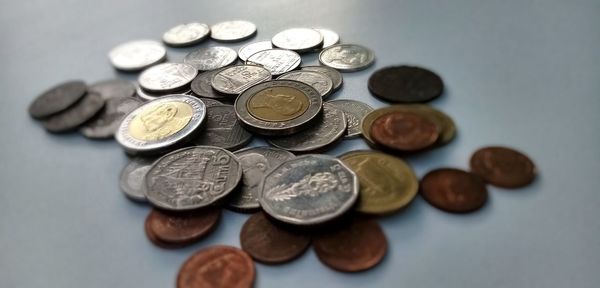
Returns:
point(57, 99)
point(113, 88)
point(106, 123)
point(75, 115)
point(354, 111)
point(131, 180)
point(405, 84)
point(202, 87)
point(503, 167)
point(298, 39)
point(236, 79)
point(334, 75)
point(277, 61)
point(330, 37)
point(232, 31)
point(453, 190)
point(223, 129)
point(319, 81)
point(347, 57)
point(249, 49)
point(137, 55)
point(211, 58)
point(167, 77)
point(186, 34)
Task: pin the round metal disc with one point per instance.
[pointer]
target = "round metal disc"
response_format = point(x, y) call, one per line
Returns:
point(298, 39)
point(347, 57)
point(137, 55)
point(211, 58)
point(232, 31)
point(186, 34)
point(277, 61)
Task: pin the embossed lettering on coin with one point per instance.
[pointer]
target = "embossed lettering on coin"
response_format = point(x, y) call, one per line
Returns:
point(167, 77)
point(317, 80)
point(234, 80)
point(277, 61)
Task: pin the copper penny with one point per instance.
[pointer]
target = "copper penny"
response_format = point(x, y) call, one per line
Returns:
point(357, 246)
point(504, 167)
point(271, 244)
point(217, 266)
point(150, 235)
point(183, 227)
point(404, 131)
point(454, 190)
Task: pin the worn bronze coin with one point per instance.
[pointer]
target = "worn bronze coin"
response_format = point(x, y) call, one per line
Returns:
point(154, 240)
point(405, 84)
point(503, 167)
point(184, 227)
point(76, 115)
point(404, 131)
point(454, 190)
point(57, 99)
point(216, 267)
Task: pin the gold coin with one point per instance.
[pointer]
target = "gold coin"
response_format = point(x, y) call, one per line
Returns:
point(161, 120)
point(387, 183)
point(278, 104)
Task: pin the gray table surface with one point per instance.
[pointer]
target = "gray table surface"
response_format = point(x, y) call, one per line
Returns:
point(518, 73)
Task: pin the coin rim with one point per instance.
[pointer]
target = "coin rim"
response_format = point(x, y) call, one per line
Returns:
point(353, 68)
point(233, 93)
point(119, 67)
point(299, 49)
point(188, 43)
point(230, 40)
point(294, 67)
point(359, 133)
point(325, 95)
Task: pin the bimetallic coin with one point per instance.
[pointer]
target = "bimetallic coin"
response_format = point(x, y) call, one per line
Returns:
point(57, 99)
point(201, 86)
point(191, 178)
point(167, 77)
point(232, 31)
point(503, 167)
point(277, 61)
point(330, 38)
point(186, 34)
point(132, 177)
point(216, 267)
point(334, 75)
point(453, 190)
point(183, 228)
point(317, 80)
point(105, 124)
point(74, 116)
point(236, 79)
point(308, 190)
point(211, 58)
point(222, 129)
point(256, 161)
point(298, 39)
point(347, 57)
point(404, 131)
point(354, 112)
point(113, 88)
point(137, 55)
point(211, 102)
point(248, 50)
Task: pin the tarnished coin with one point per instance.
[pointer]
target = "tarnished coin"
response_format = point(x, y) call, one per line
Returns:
point(330, 38)
point(106, 123)
point(74, 116)
point(236, 79)
point(132, 177)
point(223, 129)
point(217, 267)
point(161, 124)
point(404, 131)
point(319, 81)
point(167, 77)
point(256, 161)
point(211, 58)
point(503, 167)
point(186, 34)
point(232, 31)
point(193, 177)
point(308, 190)
point(330, 128)
point(334, 75)
point(137, 55)
point(113, 88)
point(298, 39)
point(277, 61)
point(211, 102)
point(201, 86)
point(183, 227)
point(354, 111)
point(405, 84)
point(387, 184)
point(57, 99)
point(278, 107)
point(270, 244)
point(453, 190)
point(247, 50)
point(150, 235)
point(347, 57)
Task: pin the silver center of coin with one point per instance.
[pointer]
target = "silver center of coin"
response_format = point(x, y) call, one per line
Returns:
point(235, 80)
point(211, 58)
point(137, 55)
point(347, 57)
point(298, 39)
point(167, 77)
point(277, 61)
point(186, 34)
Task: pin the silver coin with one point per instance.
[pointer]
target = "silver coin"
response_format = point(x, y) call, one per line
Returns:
point(247, 50)
point(256, 161)
point(105, 124)
point(307, 190)
point(317, 80)
point(236, 79)
point(74, 116)
point(186, 34)
point(298, 39)
point(113, 88)
point(277, 61)
point(132, 177)
point(211, 58)
point(334, 75)
point(330, 128)
point(330, 38)
point(167, 77)
point(354, 111)
point(232, 31)
point(201, 86)
point(148, 96)
point(192, 178)
point(137, 55)
point(222, 129)
point(161, 124)
point(347, 57)
point(210, 102)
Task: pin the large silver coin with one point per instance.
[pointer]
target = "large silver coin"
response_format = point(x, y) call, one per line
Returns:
point(277, 61)
point(298, 39)
point(354, 111)
point(74, 116)
point(317, 80)
point(330, 38)
point(223, 129)
point(332, 126)
point(334, 75)
point(201, 86)
point(256, 161)
point(308, 190)
point(137, 55)
point(186, 34)
point(192, 178)
point(236, 79)
point(347, 57)
point(113, 88)
point(248, 50)
point(105, 124)
point(211, 58)
point(232, 31)
point(132, 178)
point(167, 77)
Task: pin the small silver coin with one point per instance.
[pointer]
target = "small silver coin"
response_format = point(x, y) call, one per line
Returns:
point(148, 96)
point(330, 128)
point(211, 58)
point(211, 102)
point(137, 55)
point(186, 34)
point(236, 79)
point(354, 111)
point(347, 57)
point(298, 39)
point(308, 190)
point(330, 38)
point(277, 61)
point(106, 123)
point(57, 99)
point(167, 77)
point(334, 75)
point(256, 161)
point(247, 50)
point(113, 88)
point(132, 177)
point(201, 86)
point(232, 31)
point(74, 116)
point(192, 178)
point(222, 129)
point(317, 80)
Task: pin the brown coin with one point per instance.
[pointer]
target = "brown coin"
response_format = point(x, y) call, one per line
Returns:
point(404, 131)
point(217, 266)
point(357, 246)
point(155, 240)
point(454, 190)
point(183, 227)
point(271, 244)
point(504, 167)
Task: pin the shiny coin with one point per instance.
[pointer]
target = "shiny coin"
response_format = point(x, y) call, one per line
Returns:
point(132, 177)
point(387, 184)
point(236, 79)
point(334, 75)
point(453, 190)
point(319, 81)
point(277, 61)
point(330, 128)
point(256, 161)
point(354, 112)
point(248, 50)
point(278, 107)
point(113, 88)
point(404, 131)
point(347, 57)
point(201, 86)
point(57, 99)
point(79, 113)
point(106, 122)
point(211, 58)
point(161, 124)
point(186, 34)
point(183, 227)
point(298, 39)
point(308, 190)
point(270, 244)
point(330, 38)
point(137, 55)
point(167, 77)
point(192, 178)
point(503, 167)
point(147, 96)
point(405, 84)
point(211, 102)
point(223, 129)
point(232, 31)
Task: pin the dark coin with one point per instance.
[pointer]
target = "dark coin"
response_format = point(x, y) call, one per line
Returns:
point(357, 246)
point(404, 131)
point(223, 129)
point(201, 86)
point(334, 75)
point(503, 167)
point(453, 190)
point(113, 88)
point(57, 99)
point(183, 228)
point(405, 84)
point(152, 237)
point(106, 123)
point(75, 115)
point(210, 102)
point(270, 244)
